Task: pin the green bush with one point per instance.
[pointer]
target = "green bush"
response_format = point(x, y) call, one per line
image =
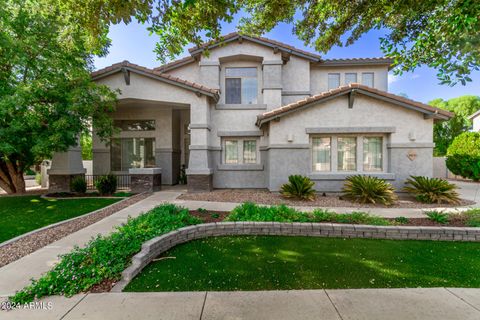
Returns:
point(298, 187)
point(432, 190)
point(79, 185)
point(106, 185)
point(401, 220)
point(251, 212)
point(105, 257)
point(38, 178)
point(472, 217)
point(29, 172)
point(438, 216)
point(367, 189)
point(463, 156)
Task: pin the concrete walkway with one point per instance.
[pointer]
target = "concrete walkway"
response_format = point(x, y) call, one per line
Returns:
point(359, 304)
point(16, 275)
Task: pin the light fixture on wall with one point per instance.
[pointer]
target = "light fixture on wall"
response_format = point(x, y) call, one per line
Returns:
point(411, 136)
point(290, 137)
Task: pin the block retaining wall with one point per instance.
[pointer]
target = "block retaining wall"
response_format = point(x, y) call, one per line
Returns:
point(154, 247)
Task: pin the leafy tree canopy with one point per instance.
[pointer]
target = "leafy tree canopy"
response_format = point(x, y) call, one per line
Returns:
point(46, 94)
point(445, 132)
point(442, 34)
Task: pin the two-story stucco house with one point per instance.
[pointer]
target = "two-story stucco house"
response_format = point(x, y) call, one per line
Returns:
point(248, 112)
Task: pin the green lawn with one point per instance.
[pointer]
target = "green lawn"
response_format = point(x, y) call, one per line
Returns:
point(19, 215)
point(279, 263)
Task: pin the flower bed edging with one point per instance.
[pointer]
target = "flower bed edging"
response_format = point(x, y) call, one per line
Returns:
point(158, 245)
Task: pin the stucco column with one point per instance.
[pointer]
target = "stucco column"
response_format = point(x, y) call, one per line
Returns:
point(65, 167)
point(199, 172)
point(272, 83)
point(210, 74)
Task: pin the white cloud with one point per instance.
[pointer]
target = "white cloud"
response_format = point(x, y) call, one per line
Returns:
point(392, 78)
point(415, 76)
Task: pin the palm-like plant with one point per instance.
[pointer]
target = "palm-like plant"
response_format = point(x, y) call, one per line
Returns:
point(367, 189)
point(432, 190)
point(298, 187)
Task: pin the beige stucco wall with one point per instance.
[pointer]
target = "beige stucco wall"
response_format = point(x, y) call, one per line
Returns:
point(366, 112)
point(319, 76)
point(412, 136)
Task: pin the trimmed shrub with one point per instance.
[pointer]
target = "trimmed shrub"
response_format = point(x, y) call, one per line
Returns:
point(438, 216)
point(106, 185)
point(251, 212)
point(463, 156)
point(79, 185)
point(105, 257)
point(432, 190)
point(367, 189)
point(298, 187)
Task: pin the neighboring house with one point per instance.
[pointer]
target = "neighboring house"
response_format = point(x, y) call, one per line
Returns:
point(476, 121)
point(252, 111)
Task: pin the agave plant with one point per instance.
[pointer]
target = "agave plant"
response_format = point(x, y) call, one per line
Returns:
point(298, 187)
point(432, 190)
point(367, 189)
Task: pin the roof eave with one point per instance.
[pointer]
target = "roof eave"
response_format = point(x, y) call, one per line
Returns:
point(311, 57)
point(215, 96)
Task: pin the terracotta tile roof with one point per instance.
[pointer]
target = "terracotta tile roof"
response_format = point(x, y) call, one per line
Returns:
point(174, 64)
point(156, 74)
point(273, 43)
point(355, 61)
point(427, 109)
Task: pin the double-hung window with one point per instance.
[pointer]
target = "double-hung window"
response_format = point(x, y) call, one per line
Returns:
point(372, 153)
point(241, 86)
point(347, 153)
point(367, 79)
point(240, 151)
point(333, 80)
point(350, 78)
point(321, 153)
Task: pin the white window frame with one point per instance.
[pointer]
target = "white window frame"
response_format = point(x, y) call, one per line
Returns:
point(328, 80)
point(359, 153)
point(349, 74)
point(241, 84)
point(383, 152)
point(373, 78)
point(240, 150)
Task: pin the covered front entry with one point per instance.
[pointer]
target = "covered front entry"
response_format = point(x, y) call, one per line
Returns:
point(152, 134)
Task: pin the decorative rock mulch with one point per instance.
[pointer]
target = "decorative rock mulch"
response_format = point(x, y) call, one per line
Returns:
point(272, 198)
point(30, 243)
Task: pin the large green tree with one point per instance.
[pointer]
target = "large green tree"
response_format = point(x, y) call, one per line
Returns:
point(47, 97)
point(446, 131)
point(442, 34)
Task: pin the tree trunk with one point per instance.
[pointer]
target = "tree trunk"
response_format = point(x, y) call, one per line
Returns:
point(11, 177)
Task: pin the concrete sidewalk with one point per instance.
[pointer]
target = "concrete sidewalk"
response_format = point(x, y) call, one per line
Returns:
point(359, 304)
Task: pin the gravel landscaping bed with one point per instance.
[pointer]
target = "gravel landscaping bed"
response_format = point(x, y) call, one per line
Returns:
point(272, 198)
point(28, 244)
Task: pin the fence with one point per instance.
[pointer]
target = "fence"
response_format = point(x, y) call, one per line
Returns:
point(123, 181)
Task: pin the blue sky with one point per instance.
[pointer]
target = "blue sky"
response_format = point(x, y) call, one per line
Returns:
point(132, 42)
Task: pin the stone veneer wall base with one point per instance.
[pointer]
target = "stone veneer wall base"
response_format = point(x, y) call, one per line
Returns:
point(156, 246)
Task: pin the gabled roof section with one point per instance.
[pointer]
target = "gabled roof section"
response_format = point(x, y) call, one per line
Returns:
point(276, 45)
point(473, 116)
point(378, 61)
point(175, 64)
point(354, 88)
point(126, 67)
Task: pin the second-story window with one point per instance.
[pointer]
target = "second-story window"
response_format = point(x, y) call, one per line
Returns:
point(241, 86)
point(367, 79)
point(333, 80)
point(350, 78)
